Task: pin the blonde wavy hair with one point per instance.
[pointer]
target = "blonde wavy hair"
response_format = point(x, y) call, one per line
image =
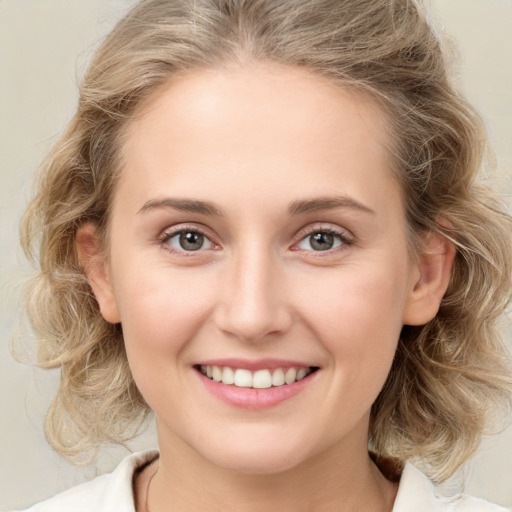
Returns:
point(447, 375)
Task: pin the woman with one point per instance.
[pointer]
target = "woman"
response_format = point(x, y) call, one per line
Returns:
point(262, 225)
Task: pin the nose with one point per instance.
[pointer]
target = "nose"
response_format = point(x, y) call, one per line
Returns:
point(253, 305)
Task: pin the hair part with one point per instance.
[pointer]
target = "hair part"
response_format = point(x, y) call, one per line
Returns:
point(448, 374)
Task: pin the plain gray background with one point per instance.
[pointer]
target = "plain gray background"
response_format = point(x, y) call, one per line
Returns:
point(44, 47)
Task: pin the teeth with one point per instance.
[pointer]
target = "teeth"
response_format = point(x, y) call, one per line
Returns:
point(290, 375)
point(216, 374)
point(278, 377)
point(228, 376)
point(301, 373)
point(243, 378)
point(260, 379)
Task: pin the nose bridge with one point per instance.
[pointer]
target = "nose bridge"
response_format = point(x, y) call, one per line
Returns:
point(253, 303)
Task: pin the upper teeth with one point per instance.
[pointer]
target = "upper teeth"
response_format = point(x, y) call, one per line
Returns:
point(259, 379)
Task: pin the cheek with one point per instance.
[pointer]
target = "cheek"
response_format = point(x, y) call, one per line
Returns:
point(161, 311)
point(161, 316)
point(358, 301)
point(358, 318)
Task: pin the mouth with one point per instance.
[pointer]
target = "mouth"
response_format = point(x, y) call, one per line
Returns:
point(263, 378)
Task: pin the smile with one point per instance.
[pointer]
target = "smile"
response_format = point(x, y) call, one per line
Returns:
point(260, 379)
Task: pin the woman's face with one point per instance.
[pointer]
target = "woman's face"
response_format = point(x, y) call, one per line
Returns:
point(257, 226)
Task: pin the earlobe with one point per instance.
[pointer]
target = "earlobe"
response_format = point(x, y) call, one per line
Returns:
point(96, 269)
point(431, 278)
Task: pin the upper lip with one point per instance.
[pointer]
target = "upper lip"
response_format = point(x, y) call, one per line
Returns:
point(254, 364)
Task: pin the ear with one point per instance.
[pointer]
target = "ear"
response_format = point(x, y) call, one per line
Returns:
point(89, 252)
point(430, 279)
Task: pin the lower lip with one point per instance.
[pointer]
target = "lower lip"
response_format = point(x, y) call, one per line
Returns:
point(253, 399)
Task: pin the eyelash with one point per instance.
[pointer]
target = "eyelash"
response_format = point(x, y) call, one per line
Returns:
point(345, 241)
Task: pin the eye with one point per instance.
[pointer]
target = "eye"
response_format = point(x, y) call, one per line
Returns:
point(322, 240)
point(188, 241)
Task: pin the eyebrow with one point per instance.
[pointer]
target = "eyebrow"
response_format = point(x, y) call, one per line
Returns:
point(184, 205)
point(326, 203)
point(294, 208)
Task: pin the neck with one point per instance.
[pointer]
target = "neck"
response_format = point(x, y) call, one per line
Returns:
point(337, 480)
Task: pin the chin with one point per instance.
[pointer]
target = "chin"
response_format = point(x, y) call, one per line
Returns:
point(255, 459)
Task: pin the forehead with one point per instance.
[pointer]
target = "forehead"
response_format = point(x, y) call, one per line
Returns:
point(262, 126)
point(261, 93)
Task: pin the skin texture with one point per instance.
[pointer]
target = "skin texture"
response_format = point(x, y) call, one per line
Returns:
point(254, 141)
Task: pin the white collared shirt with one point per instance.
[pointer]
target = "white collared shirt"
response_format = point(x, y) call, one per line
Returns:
point(113, 492)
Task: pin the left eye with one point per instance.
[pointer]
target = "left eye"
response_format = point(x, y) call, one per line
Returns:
point(321, 241)
point(189, 241)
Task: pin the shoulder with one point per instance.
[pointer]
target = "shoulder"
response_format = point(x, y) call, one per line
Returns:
point(106, 493)
point(416, 493)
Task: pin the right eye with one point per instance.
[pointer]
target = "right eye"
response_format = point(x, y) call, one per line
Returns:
point(187, 241)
